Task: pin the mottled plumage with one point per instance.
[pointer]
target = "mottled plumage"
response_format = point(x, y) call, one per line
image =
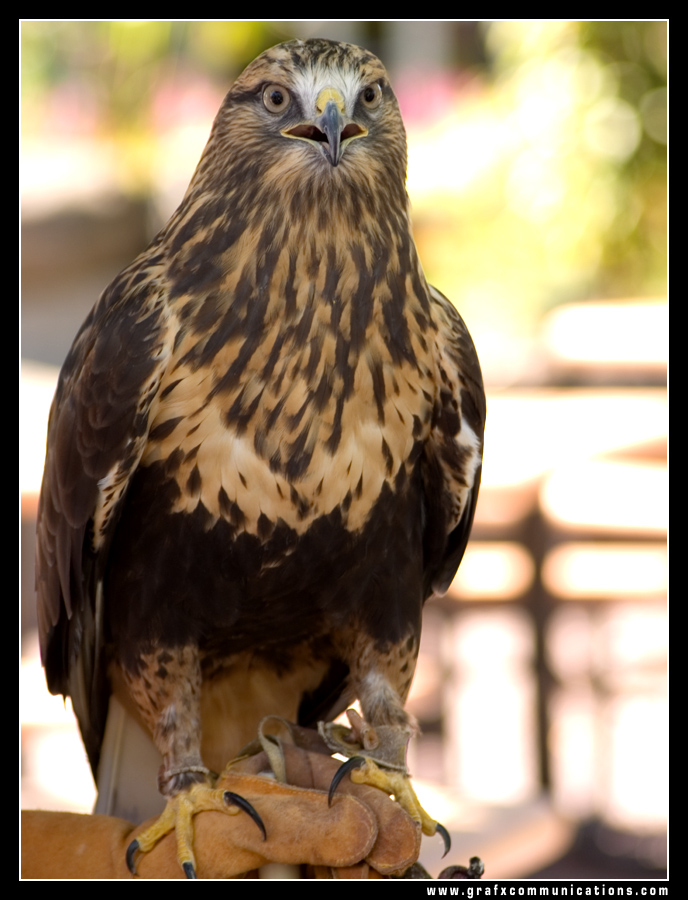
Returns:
point(264, 450)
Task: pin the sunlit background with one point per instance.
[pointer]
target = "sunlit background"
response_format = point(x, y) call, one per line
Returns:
point(537, 175)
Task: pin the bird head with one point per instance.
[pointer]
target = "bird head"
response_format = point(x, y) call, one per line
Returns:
point(309, 113)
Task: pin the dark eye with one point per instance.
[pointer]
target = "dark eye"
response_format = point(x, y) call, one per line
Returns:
point(371, 95)
point(276, 98)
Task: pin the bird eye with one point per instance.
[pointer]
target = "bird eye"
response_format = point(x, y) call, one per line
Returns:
point(276, 98)
point(371, 95)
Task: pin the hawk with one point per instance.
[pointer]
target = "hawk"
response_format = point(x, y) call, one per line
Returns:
point(264, 450)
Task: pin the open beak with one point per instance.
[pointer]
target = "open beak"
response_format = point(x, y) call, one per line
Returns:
point(331, 129)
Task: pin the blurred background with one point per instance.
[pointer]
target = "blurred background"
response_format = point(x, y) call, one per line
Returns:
point(537, 176)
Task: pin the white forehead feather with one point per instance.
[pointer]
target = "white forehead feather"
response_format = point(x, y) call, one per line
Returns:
point(310, 81)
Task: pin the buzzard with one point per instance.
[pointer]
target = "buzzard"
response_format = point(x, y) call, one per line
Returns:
point(265, 446)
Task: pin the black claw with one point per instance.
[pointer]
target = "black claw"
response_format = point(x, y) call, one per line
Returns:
point(189, 870)
point(354, 763)
point(447, 840)
point(231, 798)
point(131, 853)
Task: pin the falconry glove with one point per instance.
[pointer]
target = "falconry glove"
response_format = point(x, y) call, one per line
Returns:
point(361, 834)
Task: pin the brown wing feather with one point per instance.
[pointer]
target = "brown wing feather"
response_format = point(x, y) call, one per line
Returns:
point(97, 431)
point(452, 463)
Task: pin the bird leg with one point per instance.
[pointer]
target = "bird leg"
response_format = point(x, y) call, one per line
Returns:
point(377, 757)
point(166, 687)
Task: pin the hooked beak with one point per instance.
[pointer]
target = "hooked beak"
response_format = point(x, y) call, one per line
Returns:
point(330, 129)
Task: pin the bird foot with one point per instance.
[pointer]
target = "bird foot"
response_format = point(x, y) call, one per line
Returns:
point(178, 816)
point(377, 757)
point(398, 784)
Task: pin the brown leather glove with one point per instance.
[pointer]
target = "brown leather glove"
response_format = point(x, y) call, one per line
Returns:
point(363, 834)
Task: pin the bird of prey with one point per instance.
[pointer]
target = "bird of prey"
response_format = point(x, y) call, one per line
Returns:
point(265, 446)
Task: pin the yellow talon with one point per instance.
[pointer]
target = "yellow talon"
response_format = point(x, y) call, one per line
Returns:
point(178, 816)
point(398, 784)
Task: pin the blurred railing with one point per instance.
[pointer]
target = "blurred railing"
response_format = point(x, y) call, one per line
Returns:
point(544, 667)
